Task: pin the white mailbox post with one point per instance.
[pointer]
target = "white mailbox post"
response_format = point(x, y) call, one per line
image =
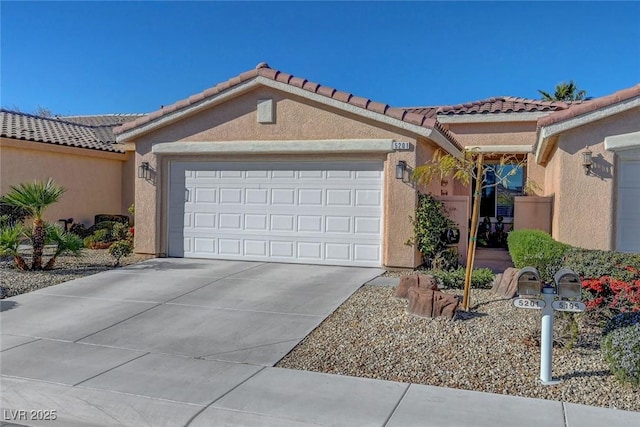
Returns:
point(564, 294)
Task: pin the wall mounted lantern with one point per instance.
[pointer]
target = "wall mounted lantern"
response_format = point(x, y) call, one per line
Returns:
point(587, 161)
point(401, 167)
point(143, 170)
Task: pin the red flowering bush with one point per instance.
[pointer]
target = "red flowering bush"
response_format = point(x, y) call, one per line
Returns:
point(609, 296)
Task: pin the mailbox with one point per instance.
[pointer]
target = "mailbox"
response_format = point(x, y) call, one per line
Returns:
point(529, 282)
point(568, 284)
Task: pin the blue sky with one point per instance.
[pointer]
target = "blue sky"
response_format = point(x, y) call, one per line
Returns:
point(106, 57)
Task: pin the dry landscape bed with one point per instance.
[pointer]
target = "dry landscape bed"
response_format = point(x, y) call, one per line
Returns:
point(488, 349)
point(67, 267)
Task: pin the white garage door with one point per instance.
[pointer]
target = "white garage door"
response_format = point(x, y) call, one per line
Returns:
point(303, 212)
point(628, 225)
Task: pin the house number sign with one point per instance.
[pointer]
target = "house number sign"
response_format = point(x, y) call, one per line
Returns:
point(399, 145)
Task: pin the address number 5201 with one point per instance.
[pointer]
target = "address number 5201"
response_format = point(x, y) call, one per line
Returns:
point(399, 145)
point(536, 304)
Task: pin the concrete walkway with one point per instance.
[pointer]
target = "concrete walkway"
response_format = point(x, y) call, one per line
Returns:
point(193, 343)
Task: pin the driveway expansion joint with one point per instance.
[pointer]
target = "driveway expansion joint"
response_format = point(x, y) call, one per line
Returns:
point(223, 395)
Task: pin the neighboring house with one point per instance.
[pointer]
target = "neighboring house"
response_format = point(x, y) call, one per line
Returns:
point(78, 152)
point(271, 167)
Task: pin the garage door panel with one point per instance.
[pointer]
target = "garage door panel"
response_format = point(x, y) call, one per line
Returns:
point(628, 208)
point(323, 213)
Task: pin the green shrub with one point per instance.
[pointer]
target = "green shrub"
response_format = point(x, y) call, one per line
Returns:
point(591, 263)
point(621, 348)
point(123, 219)
point(120, 231)
point(481, 278)
point(99, 239)
point(80, 230)
point(120, 249)
point(102, 236)
point(430, 226)
point(537, 249)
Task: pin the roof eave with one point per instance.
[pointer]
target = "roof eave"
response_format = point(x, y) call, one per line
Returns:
point(429, 132)
point(545, 133)
point(514, 116)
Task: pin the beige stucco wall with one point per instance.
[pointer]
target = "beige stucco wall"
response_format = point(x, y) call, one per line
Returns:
point(93, 179)
point(532, 213)
point(296, 119)
point(457, 208)
point(499, 133)
point(128, 177)
point(584, 206)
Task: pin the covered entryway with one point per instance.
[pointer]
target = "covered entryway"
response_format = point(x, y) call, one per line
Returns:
point(299, 212)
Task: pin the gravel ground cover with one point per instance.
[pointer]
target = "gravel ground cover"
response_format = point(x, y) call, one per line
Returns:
point(491, 348)
point(68, 267)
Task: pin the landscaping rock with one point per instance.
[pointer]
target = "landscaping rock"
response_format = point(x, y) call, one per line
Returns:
point(416, 281)
point(496, 283)
point(507, 286)
point(431, 303)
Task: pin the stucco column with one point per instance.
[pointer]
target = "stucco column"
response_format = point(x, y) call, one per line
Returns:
point(145, 240)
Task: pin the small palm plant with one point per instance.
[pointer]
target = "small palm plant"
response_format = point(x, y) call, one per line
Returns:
point(34, 198)
point(65, 243)
point(10, 239)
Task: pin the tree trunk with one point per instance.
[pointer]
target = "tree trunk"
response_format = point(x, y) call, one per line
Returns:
point(50, 263)
point(471, 251)
point(20, 263)
point(37, 240)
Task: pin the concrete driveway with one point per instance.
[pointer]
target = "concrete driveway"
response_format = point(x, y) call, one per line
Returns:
point(158, 342)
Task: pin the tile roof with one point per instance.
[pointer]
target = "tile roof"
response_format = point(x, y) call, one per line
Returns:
point(110, 120)
point(589, 106)
point(28, 127)
point(497, 104)
point(265, 71)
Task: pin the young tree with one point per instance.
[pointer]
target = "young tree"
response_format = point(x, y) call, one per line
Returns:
point(34, 198)
point(465, 170)
point(565, 92)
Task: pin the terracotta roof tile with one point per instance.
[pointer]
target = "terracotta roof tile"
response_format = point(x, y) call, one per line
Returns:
point(396, 113)
point(378, 107)
point(297, 82)
point(311, 86)
point(342, 96)
point(326, 91)
point(502, 104)
point(589, 106)
point(359, 101)
point(263, 70)
point(69, 132)
point(108, 120)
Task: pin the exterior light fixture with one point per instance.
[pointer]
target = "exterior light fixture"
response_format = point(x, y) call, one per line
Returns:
point(143, 170)
point(401, 167)
point(587, 161)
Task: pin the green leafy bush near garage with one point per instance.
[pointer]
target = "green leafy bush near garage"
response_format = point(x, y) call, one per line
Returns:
point(430, 225)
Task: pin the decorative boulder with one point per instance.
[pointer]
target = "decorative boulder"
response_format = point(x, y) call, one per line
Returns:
point(416, 281)
point(432, 303)
point(506, 284)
